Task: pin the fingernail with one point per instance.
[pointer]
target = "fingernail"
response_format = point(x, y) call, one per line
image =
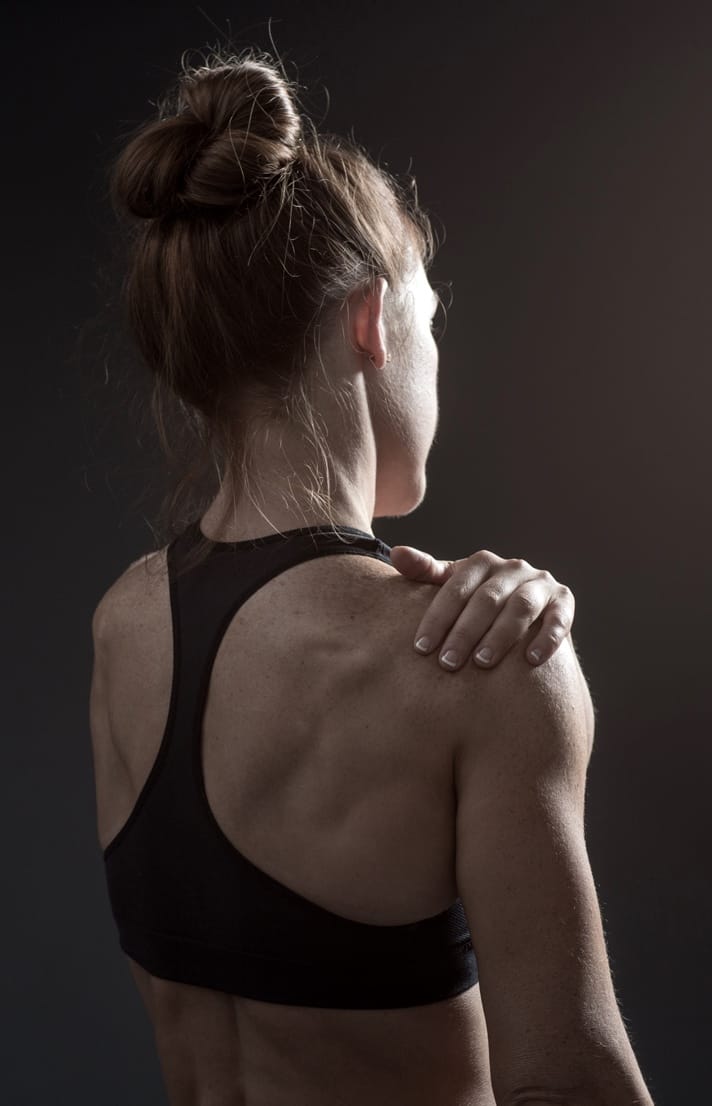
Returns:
point(484, 655)
point(450, 658)
point(423, 644)
point(535, 654)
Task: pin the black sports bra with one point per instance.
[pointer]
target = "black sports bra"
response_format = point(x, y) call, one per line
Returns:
point(188, 905)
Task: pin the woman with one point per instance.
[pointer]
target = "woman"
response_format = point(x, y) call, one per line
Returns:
point(307, 828)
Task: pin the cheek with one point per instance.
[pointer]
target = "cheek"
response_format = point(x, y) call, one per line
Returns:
point(428, 398)
point(433, 362)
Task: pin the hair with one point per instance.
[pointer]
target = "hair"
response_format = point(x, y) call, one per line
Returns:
point(248, 230)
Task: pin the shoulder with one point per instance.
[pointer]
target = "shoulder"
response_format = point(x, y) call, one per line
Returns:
point(464, 703)
point(396, 603)
point(138, 582)
point(425, 689)
point(521, 708)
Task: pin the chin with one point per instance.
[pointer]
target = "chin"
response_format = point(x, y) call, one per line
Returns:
point(395, 502)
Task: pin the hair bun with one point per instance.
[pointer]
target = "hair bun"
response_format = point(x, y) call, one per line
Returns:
point(223, 132)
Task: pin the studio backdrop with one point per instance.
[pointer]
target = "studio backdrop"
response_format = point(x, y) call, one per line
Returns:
point(563, 152)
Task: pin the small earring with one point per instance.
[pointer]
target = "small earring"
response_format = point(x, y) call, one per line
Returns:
point(370, 357)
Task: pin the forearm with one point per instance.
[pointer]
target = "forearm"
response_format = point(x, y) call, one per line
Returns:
point(609, 1076)
point(616, 1081)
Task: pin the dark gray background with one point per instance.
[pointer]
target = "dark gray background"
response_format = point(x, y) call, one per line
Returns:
point(566, 150)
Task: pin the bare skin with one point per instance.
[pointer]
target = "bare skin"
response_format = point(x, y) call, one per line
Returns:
point(351, 804)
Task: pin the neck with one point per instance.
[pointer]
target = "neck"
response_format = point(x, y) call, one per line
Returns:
point(280, 501)
point(283, 463)
point(225, 522)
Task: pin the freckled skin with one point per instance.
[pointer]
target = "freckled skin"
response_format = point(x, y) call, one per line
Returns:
point(227, 1050)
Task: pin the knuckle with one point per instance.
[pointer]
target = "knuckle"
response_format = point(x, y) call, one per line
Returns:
point(558, 621)
point(489, 595)
point(484, 556)
point(524, 603)
point(556, 628)
point(460, 588)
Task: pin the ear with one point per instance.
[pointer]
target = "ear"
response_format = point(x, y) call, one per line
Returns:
point(366, 322)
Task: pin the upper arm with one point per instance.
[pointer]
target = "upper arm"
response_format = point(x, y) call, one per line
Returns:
point(524, 876)
point(98, 704)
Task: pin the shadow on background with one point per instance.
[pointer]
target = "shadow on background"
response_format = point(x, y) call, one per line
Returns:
point(565, 150)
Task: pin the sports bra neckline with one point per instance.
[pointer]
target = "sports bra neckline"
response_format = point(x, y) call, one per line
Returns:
point(270, 539)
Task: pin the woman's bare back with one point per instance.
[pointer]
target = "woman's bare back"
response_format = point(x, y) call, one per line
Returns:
point(325, 767)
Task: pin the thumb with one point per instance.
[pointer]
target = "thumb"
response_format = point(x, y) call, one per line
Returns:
point(420, 566)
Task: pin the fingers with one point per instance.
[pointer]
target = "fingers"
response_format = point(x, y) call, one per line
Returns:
point(487, 605)
point(556, 625)
point(420, 566)
point(455, 608)
point(494, 620)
